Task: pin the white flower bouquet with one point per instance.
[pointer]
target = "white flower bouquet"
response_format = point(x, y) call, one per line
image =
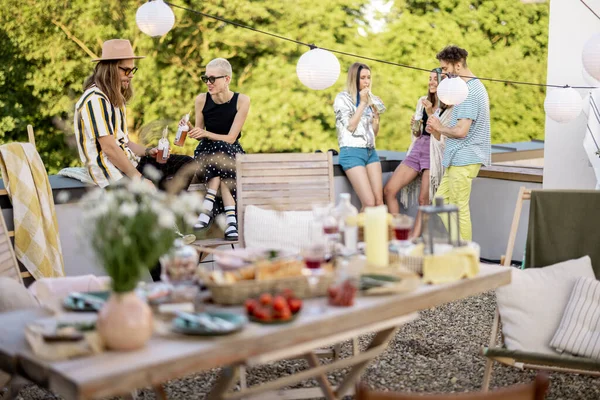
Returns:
point(131, 225)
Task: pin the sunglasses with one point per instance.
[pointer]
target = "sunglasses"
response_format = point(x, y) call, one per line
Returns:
point(211, 79)
point(129, 71)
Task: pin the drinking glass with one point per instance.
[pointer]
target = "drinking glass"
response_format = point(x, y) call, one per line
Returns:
point(327, 216)
point(402, 225)
point(314, 257)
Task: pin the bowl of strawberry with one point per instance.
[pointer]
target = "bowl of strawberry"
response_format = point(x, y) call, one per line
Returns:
point(273, 309)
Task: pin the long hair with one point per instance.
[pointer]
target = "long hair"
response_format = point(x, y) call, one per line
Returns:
point(107, 78)
point(433, 97)
point(353, 81)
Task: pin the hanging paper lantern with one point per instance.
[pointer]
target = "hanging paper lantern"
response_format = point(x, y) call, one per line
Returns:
point(318, 69)
point(588, 79)
point(452, 91)
point(155, 18)
point(563, 104)
point(591, 56)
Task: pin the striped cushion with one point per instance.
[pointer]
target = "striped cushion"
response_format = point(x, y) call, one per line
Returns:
point(579, 329)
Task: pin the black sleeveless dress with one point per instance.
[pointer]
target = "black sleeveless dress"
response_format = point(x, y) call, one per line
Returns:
point(216, 158)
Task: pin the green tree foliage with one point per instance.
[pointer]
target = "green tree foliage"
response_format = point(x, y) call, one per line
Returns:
point(47, 46)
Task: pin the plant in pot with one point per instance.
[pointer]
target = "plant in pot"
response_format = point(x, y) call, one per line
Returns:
point(130, 225)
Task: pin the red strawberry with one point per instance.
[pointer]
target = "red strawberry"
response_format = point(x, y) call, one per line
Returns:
point(295, 305)
point(251, 305)
point(280, 304)
point(266, 299)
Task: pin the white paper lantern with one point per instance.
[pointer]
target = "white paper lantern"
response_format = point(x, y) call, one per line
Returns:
point(591, 56)
point(318, 69)
point(155, 18)
point(563, 104)
point(588, 79)
point(452, 91)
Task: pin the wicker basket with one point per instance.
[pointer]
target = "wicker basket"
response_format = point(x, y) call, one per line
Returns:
point(237, 293)
point(412, 263)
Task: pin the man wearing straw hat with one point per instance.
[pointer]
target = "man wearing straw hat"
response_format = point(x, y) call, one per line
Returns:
point(101, 124)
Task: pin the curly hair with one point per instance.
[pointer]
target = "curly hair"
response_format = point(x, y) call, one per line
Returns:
point(453, 54)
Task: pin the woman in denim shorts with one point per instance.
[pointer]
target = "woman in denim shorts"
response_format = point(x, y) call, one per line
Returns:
point(422, 168)
point(357, 126)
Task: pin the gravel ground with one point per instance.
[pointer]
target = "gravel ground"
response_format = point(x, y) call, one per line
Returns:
point(436, 353)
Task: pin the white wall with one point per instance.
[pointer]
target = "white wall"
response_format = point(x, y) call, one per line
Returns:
point(565, 163)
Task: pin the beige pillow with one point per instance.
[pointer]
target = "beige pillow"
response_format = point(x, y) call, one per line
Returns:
point(532, 305)
point(14, 296)
point(579, 330)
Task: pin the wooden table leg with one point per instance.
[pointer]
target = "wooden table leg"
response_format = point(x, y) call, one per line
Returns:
point(227, 378)
point(313, 362)
point(160, 392)
point(380, 339)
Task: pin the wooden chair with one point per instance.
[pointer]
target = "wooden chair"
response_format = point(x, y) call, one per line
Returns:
point(496, 352)
point(7, 268)
point(535, 390)
point(283, 181)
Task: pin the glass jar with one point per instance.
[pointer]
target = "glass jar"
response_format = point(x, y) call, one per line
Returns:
point(342, 291)
point(178, 268)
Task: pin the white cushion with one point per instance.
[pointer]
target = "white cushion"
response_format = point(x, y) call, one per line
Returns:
point(579, 330)
point(532, 305)
point(14, 296)
point(281, 230)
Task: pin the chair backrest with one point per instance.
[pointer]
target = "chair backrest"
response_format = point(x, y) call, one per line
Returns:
point(535, 390)
point(283, 181)
point(8, 262)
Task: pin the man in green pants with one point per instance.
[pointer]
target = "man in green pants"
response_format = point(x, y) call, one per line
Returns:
point(468, 142)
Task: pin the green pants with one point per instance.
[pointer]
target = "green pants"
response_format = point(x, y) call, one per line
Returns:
point(455, 188)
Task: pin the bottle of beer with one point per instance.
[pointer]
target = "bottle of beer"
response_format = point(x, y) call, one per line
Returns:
point(163, 148)
point(182, 131)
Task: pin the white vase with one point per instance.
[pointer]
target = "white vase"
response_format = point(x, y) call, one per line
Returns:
point(125, 322)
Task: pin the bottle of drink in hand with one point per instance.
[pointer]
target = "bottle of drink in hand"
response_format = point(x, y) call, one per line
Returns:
point(163, 148)
point(182, 131)
point(416, 125)
point(436, 114)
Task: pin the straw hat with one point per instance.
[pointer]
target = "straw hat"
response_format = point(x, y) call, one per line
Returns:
point(117, 49)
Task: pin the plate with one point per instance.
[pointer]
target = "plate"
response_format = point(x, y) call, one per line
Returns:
point(183, 325)
point(274, 321)
point(85, 301)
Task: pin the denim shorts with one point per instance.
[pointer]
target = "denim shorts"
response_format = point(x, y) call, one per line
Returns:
point(351, 157)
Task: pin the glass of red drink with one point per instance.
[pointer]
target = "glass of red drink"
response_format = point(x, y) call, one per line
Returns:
point(314, 257)
point(327, 216)
point(402, 225)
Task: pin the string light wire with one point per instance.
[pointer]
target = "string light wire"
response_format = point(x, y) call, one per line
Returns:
point(313, 46)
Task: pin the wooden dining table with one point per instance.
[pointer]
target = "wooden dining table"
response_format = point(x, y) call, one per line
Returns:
point(169, 356)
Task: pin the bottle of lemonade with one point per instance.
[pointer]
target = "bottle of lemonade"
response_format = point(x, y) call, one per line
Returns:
point(163, 148)
point(182, 131)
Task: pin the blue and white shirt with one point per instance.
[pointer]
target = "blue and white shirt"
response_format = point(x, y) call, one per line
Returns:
point(476, 147)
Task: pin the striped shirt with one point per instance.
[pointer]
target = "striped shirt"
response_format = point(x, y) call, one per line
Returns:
point(96, 117)
point(476, 147)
